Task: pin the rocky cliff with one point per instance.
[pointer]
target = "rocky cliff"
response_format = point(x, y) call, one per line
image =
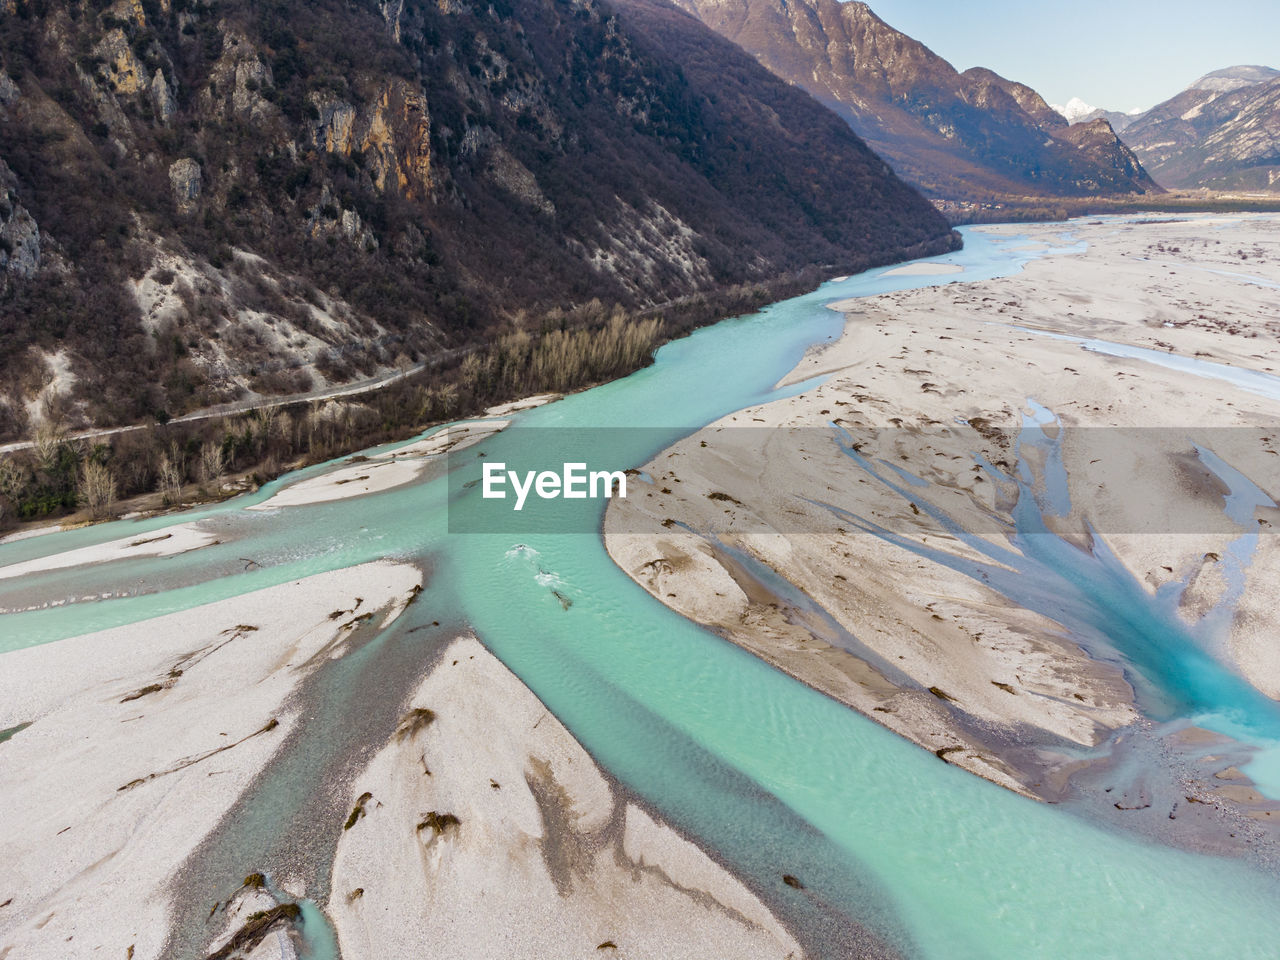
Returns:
point(203, 200)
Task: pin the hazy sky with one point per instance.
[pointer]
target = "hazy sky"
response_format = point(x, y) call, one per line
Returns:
point(1117, 54)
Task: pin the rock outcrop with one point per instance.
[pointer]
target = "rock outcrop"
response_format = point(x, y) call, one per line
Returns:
point(19, 233)
point(184, 177)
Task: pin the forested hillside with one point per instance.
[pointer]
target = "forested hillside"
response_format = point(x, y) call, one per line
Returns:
point(202, 201)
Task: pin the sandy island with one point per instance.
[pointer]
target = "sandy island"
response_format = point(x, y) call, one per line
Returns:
point(137, 740)
point(166, 542)
point(373, 474)
point(920, 382)
point(480, 825)
point(483, 828)
point(363, 474)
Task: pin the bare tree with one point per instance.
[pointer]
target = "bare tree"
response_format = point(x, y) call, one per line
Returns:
point(313, 421)
point(170, 481)
point(97, 488)
point(344, 421)
point(473, 368)
point(265, 418)
point(47, 442)
point(284, 426)
point(448, 397)
point(213, 462)
point(11, 483)
point(11, 480)
point(425, 403)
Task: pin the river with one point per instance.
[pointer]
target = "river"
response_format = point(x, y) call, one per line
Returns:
point(769, 775)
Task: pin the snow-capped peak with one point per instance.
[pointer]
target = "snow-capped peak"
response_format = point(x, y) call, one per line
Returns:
point(1074, 109)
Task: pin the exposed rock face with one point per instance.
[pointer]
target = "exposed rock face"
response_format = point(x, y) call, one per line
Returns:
point(391, 11)
point(514, 177)
point(328, 218)
point(970, 135)
point(1222, 132)
point(392, 135)
point(9, 92)
point(248, 79)
point(125, 72)
point(184, 177)
point(19, 234)
point(162, 98)
point(243, 196)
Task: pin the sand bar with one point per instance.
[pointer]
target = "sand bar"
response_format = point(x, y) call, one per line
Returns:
point(141, 738)
point(165, 542)
point(925, 380)
point(362, 475)
point(924, 270)
point(486, 823)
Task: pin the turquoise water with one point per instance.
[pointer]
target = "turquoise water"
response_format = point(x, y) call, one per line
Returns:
point(319, 942)
point(1104, 607)
point(768, 774)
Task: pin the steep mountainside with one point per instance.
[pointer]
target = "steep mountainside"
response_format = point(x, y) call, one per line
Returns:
point(207, 200)
point(1222, 132)
point(971, 135)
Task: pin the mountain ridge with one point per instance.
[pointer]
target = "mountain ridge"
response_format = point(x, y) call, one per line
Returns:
point(1222, 132)
point(970, 135)
point(1234, 77)
point(1076, 110)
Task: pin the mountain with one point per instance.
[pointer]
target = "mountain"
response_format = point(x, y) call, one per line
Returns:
point(1119, 121)
point(1220, 133)
point(208, 201)
point(971, 135)
point(1076, 110)
point(1233, 78)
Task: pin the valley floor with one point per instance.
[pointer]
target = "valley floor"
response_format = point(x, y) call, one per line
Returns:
point(346, 734)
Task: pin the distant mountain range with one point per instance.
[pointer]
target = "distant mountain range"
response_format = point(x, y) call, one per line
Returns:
point(1077, 111)
point(971, 135)
point(204, 202)
point(1221, 133)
